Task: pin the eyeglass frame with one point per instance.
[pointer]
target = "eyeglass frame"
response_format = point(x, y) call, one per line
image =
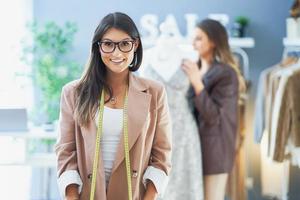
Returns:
point(115, 45)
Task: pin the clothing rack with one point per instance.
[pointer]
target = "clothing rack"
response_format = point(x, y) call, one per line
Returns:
point(245, 61)
point(237, 46)
point(291, 49)
point(293, 53)
point(290, 46)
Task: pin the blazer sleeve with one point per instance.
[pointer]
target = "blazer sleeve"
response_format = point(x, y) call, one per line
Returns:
point(161, 148)
point(222, 97)
point(65, 148)
point(66, 145)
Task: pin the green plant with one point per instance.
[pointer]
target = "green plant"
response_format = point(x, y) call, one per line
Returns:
point(242, 20)
point(47, 54)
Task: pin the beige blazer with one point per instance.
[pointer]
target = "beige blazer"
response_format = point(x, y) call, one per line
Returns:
point(149, 129)
point(289, 118)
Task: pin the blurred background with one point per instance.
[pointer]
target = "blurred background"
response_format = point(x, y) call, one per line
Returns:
point(45, 44)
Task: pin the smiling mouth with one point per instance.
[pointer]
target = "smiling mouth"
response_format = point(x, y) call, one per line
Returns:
point(117, 61)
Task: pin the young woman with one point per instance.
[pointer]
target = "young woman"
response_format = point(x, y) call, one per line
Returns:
point(215, 86)
point(114, 127)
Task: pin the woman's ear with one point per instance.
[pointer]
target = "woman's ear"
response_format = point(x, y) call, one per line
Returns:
point(136, 44)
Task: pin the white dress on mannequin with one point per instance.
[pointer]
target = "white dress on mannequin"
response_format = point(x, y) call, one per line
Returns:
point(162, 63)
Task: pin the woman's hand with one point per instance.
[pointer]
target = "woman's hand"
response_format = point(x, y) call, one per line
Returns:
point(194, 74)
point(72, 192)
point(151, 193)
point(192, 70)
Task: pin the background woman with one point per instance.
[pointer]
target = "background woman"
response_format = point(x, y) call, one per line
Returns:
point(215, 82)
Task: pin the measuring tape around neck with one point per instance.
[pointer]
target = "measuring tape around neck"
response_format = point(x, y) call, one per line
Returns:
point(126, 145)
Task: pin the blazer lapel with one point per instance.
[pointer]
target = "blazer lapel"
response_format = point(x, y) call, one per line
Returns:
point(138, 109)
point(210, 75)
point(100, 181)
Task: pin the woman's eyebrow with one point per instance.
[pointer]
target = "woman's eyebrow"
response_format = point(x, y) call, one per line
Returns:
point(115, 41)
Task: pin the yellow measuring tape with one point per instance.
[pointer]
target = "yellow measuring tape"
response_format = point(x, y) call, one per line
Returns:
point(97, 149)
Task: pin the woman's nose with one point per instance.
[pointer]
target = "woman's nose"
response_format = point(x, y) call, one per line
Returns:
point(117, 51)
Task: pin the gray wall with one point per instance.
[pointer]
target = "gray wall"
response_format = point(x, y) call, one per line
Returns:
point(267, 19)
point(267, 27)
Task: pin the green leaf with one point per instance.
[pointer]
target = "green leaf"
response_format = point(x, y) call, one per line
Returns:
point(51, 65)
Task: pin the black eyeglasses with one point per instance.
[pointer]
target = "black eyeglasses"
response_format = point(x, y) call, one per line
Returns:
point(108, 46)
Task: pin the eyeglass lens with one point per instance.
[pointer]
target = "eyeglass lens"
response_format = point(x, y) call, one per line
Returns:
point(109, 46)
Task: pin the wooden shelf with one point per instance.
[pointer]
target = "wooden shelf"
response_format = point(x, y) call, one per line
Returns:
point(287, 42)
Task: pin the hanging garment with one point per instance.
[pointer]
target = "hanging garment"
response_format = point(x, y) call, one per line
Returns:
point(263, 112)
point(265, 103)
point(280, 93)
point(260, 104)
point(186, 175)
point(286, 118)
point(236, 189)
point(273, 86)
point(275, 80)
point(274, 175)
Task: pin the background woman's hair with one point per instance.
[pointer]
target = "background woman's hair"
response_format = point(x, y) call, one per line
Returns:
point(217, 34)
point(93, 80)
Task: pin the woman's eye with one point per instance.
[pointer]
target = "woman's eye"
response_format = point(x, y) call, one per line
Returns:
point(108, 44)
point(125, 43)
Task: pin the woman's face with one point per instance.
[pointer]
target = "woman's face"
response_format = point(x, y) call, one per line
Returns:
point(203, 44)
point(117, 50)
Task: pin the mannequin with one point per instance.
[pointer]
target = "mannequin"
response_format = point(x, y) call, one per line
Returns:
point(162, 62)
point(167, 53)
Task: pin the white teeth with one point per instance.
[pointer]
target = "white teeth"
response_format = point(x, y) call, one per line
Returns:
point(117, 61)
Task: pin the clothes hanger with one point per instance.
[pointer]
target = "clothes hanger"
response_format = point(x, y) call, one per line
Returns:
point(291, 59)
point(290, 64)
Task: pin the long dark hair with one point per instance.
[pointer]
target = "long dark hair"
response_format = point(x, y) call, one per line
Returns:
point(217, 34)
point(93, 79)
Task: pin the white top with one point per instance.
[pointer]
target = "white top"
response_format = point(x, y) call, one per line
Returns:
point(112, 133)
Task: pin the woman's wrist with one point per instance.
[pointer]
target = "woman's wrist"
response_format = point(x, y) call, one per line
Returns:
point(198, 87)
point(151, 193)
